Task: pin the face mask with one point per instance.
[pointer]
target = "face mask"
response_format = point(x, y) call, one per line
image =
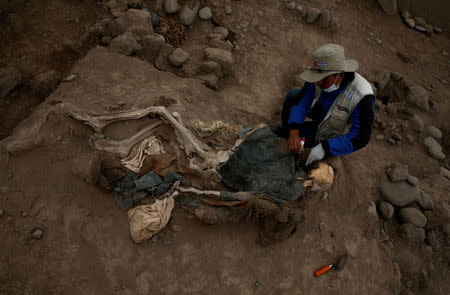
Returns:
point(333, 87)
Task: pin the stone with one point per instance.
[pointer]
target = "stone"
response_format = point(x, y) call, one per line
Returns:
point(10, 78)
point(37, 234)
point(219, 43)
point(134, 20)
point(188, 13)
point(444, 53)
point(409, 138)
point(71, 77)
point(418, 96)
point(409, 22)
point(420, 21)
point(398, 194)
point(168, 242)
point(205, 13)
point(162, 60)
point(386, 210)
point(412, 180)
point(429, 29)
point(152, 45)
point(389, 6)
point(397, 172)
point(425, 201)
point(2, 212)
point(178, 57)
point(391, 140)
point(177, 228)
point(228, 8)
point(433, 131)
point(405, 14)
point(210, 80)
point(434, 148)
point(396, 136)
point(416, 123)
point(106, 40)
point(412, 233)
point(291, 5)
point(420, 29)
point(445, 173)
point(324, 19)
point(312, 15)
point(221, 31)
point(171, 6)
point(154, 19)
point(220, 56)
point(379, 137)
point(24, 214)
point(334, 23)
point(125, 44)
point(437, 30)
point(412, 216)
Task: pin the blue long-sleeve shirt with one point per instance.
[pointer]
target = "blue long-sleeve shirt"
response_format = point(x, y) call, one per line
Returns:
point(361, 119)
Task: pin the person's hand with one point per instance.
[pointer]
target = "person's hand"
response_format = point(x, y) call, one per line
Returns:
point(317, 153)
point(295, 144)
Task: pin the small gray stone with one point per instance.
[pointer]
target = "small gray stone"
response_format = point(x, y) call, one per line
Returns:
point(444, 53)
point(155, 19)
point(391, 140)
point(324, 19)
point(412, 180)
point(177, 228)
point(187, 14)
point(396, 136)
point(434, 148)
point(397, 172)
point(410, 138)
point(291, 5)
point(220, 56)
point(386, 210)
point(168, 242)
point(205, 13)
point(24, 213)
point(425, 201)
point(125, 44)
point(257, 284)
point(2, 212)
point(171, 6)
point(420, 29)
point(312, 15)
point(409, 22)
point(299, 8)
point(222, 31)
point(416, 123)
point(405, 14)
point(71, 77)
point(379, 136)
point(433, 132)
point(420, 21)
point(399, 193)
point(437, 30)
point(228, 9)
point(178, 57)
point(334, 23)
point(37, 234)
point(418, 96)
point(412, 216)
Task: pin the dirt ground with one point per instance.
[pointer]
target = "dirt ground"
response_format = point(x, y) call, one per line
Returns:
point(86, 247)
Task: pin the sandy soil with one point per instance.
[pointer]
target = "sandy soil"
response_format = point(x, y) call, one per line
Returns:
point(86, 247)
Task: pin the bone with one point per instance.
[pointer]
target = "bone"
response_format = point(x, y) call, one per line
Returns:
point(123, 147)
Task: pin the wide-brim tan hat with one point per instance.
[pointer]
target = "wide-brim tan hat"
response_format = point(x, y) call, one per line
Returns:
point(327, 60)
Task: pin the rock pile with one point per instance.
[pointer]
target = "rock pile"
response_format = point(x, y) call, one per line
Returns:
point(401, 191)
point(313, 15)
point(419, 23)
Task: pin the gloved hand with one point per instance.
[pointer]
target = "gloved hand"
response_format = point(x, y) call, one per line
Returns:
point(317, 153)
point(295, 144)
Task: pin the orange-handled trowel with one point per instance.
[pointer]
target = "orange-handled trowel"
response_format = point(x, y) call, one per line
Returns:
point(338, 266)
